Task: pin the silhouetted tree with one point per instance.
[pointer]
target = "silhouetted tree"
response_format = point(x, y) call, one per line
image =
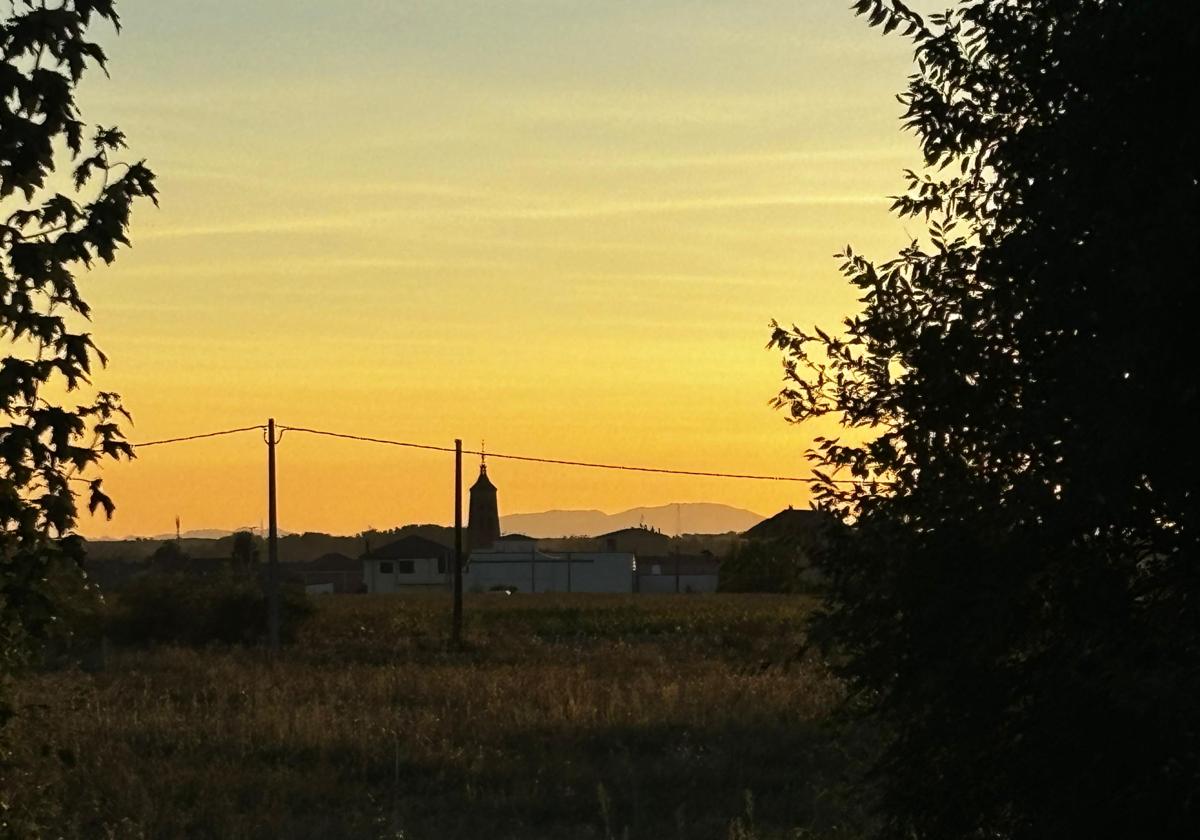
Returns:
point(1019, 601)
point(780, 565)
point(54, 225)
point(168, 556)
point(245, 551)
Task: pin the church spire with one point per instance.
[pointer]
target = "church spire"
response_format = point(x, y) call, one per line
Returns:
point(483, 523)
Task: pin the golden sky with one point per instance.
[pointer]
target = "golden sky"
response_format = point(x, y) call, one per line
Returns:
point(558, 225)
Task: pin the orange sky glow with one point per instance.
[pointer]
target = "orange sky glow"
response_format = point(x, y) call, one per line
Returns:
point(560, 227)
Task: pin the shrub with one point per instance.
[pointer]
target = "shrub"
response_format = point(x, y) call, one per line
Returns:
point(780, 565)
point(223, 608)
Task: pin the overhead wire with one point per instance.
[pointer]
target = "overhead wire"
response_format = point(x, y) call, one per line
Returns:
point(505, 456)
point(144, 444)
point(558, 461)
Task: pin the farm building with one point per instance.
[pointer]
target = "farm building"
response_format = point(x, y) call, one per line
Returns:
point(678, 573)
point(409, 563)
point(799, 524)
point(514, 562)
point(332, 572)
point(640, 541)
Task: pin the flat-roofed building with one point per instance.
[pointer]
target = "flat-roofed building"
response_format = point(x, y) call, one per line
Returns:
point(331, 572)
point(515, 563)
point(678, 573)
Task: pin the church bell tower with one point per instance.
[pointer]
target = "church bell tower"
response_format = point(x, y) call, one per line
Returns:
point(483, 523)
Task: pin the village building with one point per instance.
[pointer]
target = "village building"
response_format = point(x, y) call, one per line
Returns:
point(410, 563)
point(330, 573)
point(483, 519)
point(799, 524)
point(678, 573)
point(639, 541)
point(515, 564)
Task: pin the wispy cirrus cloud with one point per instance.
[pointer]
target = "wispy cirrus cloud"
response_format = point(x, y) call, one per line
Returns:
point(529, 211)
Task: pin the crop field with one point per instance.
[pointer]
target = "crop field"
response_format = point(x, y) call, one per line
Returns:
point(570, 716)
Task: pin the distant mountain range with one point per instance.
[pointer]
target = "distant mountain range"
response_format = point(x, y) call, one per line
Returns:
point(217, 533)
point(683, 518)
point(687, 517)
point(203, 534)
point(196, 534)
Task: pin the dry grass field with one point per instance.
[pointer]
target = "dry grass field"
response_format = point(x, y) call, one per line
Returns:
point(570, 716)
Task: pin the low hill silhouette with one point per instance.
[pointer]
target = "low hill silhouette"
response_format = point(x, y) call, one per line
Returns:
point(683, 518)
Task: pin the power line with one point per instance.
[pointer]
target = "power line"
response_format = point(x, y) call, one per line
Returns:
point(384, 441)
point(196, 437)
point(505, 456)
point(558, 461)
point(629, 468)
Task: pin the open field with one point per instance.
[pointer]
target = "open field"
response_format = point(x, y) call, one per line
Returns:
point(565, 716)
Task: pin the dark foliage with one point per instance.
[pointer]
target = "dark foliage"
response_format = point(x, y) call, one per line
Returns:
point(169, 554)
point(1020, 600)
point(46, 238)
point(223, 608)
point(781, 565)
point(244, 552)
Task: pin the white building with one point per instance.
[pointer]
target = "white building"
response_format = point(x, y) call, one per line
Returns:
point(514, 562)
point(407, 564)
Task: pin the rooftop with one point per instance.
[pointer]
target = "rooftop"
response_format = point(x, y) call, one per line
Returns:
point(789, 523)
point(634, 532)
point(483, 482)
point(411, 547)
point(333, 561)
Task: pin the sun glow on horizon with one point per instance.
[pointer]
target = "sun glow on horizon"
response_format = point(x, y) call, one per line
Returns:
point(559, 226)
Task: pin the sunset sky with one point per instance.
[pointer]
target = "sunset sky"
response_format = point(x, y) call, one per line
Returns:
point(561, 226)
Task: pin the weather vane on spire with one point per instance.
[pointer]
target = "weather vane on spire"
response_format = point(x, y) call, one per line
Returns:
point(483, 455)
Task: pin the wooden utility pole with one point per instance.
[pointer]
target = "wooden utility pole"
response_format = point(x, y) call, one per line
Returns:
point(456, 626)
point(272, 545)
